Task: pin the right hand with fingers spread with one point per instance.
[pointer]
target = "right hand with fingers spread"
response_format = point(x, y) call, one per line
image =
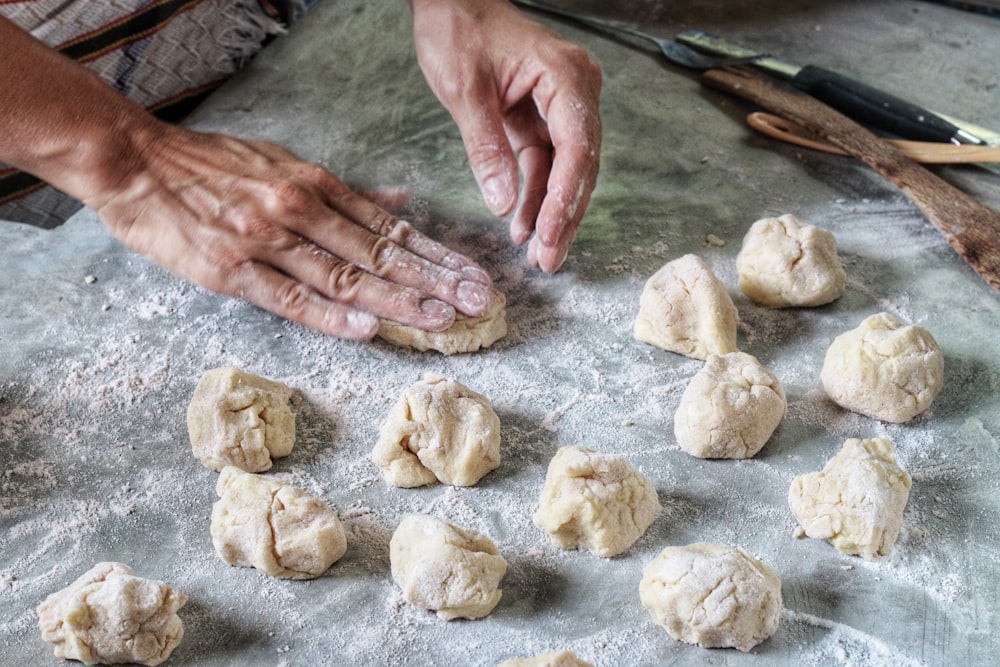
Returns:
point(249, 219)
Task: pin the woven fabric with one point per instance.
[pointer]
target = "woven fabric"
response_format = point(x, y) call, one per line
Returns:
point(164, 54)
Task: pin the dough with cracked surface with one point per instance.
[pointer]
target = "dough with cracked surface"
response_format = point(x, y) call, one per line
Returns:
point(785, 263)
point(729, 409)
point(240, 419)
point(110, 615)
point(467, 334)
point(439, 430)
point(685, 309)
point(595, 501)
point(856, 502)
point(884, 369)
point(547, 659)
point(712, 595)
point(274, 526)
point(445, 568)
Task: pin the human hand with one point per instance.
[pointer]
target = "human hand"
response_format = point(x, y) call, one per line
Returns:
point(251, 220)
point(520, 95)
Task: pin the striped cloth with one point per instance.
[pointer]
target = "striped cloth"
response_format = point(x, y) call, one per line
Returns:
point(166, 55)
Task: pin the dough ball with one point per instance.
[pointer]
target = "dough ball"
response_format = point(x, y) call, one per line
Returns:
point(439, 430)
point(273, 526)
point(595, 501)
point(785, 262)
point(549, 659)
point(729, 409)
point(239, 419)
point(110, 615)
point(444, 568)
point(467, 334)
point(884, 369)
point(856, 502)
point(712, 595)
point(684, 308)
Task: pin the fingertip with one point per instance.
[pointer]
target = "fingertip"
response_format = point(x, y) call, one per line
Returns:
point(352, 324)
point(499, 194)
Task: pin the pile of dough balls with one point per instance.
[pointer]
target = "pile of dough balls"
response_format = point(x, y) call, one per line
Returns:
point(856, 502)
point(439, 430)
point(712, 595)
point(451, 570)
point(884, 369)
point(594, 501)
point(111, 615)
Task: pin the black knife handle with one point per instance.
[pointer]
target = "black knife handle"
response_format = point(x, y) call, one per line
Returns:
point(874, 107)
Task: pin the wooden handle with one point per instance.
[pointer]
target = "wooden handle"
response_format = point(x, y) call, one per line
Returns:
point(925, 152)
point(971, 228)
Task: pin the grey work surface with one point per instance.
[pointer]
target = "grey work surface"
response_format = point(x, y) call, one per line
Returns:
point(95, 376)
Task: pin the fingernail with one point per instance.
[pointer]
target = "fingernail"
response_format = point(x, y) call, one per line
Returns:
point(497, 196)
point(476, 274)
point(439, 313)
point(474, 297)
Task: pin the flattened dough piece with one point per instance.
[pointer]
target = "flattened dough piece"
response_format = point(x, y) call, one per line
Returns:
point(467, 334)
point(445, 568)
point(548, 659)
point(273, 526)
point(884, 369)
point(594, 501)
point(684, 308)
point(439, 430)
point(712, 595)
point(729, 409)
point(856, 502)
point(240, 419)
point(110, 615)
point(784, 262)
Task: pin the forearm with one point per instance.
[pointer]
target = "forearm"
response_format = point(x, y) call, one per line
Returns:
point(63, 124)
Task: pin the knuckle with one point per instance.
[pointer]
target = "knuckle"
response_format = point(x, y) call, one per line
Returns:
point(344, 281)
point(293, 299)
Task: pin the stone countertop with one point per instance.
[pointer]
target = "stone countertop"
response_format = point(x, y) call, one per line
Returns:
point(102, 350)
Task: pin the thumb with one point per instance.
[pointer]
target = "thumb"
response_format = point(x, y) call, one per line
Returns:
point(490, 156)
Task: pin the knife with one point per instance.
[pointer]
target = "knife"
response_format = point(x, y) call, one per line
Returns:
point(857, 100)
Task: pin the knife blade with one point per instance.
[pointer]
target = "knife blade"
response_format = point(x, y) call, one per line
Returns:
point(855, 99)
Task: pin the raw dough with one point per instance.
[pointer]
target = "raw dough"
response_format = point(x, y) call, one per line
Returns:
point(110, 615)
point(595, 501)
point(549, 659)
point(712, 595)
point(785, 262)
point(884, 369)
point(684, 308)
point(856, 502)
point(239, 419)
point(729, 409)
point(273, 526)
point(439, 430)
point(444, 568)
point(467, 334)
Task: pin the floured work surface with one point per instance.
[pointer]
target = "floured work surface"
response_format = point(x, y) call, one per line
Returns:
point(95, 377)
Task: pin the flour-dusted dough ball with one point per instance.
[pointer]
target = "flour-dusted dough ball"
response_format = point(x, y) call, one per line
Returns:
point(548, 659)
point(273, 526)
point(729, 409)
point(712, 595)
point(594, 501)
point(439, 430)
point(467, 334)
point(684, 308)
point(884, 369)
point(240, 419)
point(785, 262)
point(442, 567)
point(111, 616)
point(856, 502)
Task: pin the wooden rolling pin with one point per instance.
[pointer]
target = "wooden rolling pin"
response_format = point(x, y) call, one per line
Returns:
point(971, 228)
